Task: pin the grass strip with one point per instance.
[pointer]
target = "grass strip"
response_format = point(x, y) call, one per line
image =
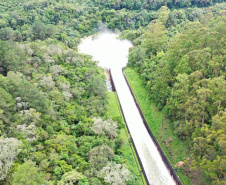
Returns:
point(174, 149)
point(127, 149)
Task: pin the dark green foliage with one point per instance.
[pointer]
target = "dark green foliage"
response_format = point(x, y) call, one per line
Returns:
point(185, 76)
point(41, 31)
point(49, 93)
point(12, 57)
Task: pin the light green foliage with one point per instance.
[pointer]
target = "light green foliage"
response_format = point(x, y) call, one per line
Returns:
point(64, 166)
point(209, 145)
point(163, 14)
point(114, 111)
point(1, 122)
point(63, 143)
point(29, 174)
point(73, 177)
point(136, 56)
point(155, 38)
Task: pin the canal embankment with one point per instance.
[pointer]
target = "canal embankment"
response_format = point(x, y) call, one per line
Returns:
point(173, 148)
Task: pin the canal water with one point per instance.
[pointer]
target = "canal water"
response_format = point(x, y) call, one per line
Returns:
point(112, 53)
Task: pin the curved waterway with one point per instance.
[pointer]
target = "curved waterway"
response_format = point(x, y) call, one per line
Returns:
point(112, 53)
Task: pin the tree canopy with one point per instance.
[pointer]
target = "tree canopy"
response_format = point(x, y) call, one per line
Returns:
point(54, 127)
point(184, 72)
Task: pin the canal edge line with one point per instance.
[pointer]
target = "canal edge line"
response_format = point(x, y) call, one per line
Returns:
point(160, 150)
point(138, 157)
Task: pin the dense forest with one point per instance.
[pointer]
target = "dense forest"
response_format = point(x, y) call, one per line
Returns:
point(54, 127)
point(184, 71)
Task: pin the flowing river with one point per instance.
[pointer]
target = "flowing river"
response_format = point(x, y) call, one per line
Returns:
point(112, 53)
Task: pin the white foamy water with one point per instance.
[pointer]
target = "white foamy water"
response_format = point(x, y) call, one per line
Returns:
point(112, 53)
point(109, 51)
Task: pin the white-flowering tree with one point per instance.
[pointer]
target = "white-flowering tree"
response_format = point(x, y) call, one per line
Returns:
point(115, 174)
point(27, 49)
point(9, 149)
point(74, 60)
point(29, 132)
point(36, 60)
point(56, 70)
point(107, 127)
point(54, 50)
point(67, 95)
point(98, 158)
point(21, 105)
point(47, 83)
point(64, 87)
point(30, 116)
point(48, 60)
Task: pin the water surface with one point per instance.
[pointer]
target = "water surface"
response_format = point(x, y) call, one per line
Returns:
point(109, 51)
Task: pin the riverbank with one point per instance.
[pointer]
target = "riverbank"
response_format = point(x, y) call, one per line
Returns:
point(127, 150)
point(174, 149)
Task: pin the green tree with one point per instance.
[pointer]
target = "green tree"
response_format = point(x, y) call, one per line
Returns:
point(179, 96)
point(7, 34)
point(29, 174)
point(209, 146)
point(12, 57)
point(38, 30)
point(73, 177)
point(163, 14)
point(137, 57)
point(155, 38)
point(98, 158)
